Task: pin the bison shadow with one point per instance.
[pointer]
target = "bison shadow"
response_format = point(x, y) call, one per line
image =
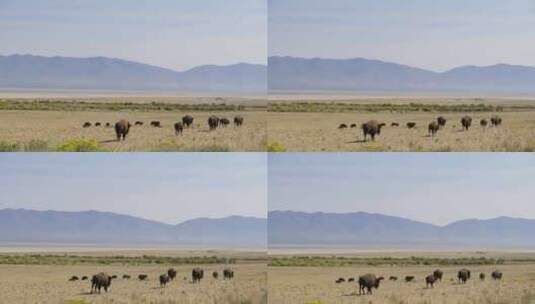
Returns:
point(108, 141)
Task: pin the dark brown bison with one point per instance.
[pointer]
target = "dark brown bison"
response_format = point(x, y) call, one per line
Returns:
point(353, 126)
point(187, 121)
point(394, 124)
point(393, 278)
point(126, 277)
point(74, 278)
point(433, 128)
point(409, 278)
point(171, 272)
point(351, 280)
point(213, 122)
point(178, 128)
point(482, 276)
point(496, 120)
point(441, 121)
point(483, 122)
point(228, 274)
point(340, 280)
point(224, 122)
point(164, 279)
point(368, 282)
point(142, 277)
point(463, 275)
point(138, 123)
point(438, 274)
point(496, 275)
point(114, 276)
point(411, 125)
point(156, 123)
point(87, 124)
point(430, 280)
point(108, 124)
point(342, 126)
point(215, 274)
point(99, 281)
point(84, 278)
point(121, 129)
point(238, 121)
point(197, 274)
point(371, 128)
point(98, 124)
point(466, 122)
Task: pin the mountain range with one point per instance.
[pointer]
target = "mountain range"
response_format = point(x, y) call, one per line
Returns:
point(95, 227)
point(359, 74)
point(367, 230)
point(101, 73)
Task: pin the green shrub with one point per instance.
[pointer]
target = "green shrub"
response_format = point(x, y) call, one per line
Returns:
point(9, 147)
point(79, 145)
point(276, 147)
point(36, 145)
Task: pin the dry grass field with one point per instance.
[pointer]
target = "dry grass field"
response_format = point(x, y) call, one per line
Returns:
point(50, 284)
point(314, 127)
point(48, 124)
point(317, 285)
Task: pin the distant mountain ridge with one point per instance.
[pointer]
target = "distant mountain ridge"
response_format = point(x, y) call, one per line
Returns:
point(102, 73)
point(95, 227)
point(376, 230)
point(360, 74)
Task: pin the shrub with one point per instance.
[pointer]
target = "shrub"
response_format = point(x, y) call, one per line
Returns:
point(36, 145)
point(9, 147)
point(79, 145)
point(276, 147)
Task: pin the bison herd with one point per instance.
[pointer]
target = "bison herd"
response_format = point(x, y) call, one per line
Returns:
point(123, 126)
point(372, 128)
point(370, 281)
point(103, 280)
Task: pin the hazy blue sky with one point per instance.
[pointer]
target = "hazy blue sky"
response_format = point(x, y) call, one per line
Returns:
point(431, 187)
point(437, 35)
point(166, 187)
point(169, 33)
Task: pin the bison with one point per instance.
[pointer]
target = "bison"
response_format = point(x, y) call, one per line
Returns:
point(496, 120)
point(430, 280)
point(353, 126)
point(463, 275)
point(142, 277)
point(368, 282)
point(483, 122)
point(215, 274)
point(496, 275)
point(371, 128)
point(393, 278)
point(482, 276)
point(197, 274)
point(84, 278)
point(187, 121)
point(213, 122)
point(466, 122)
point(433, 128)
point(438, 274)
point(342, 126)
point(351, 280)
point(441, 121)
point(409, 278)
point(224, 122)
point(101, 280)
point(87, 124)
point(411, 125)
point(156, 123)
point(171, 272)
point(394, 124)
point(98, 124)
point(108, 125)
point(238, 121)
point(340, 280)
point(74, 278)
point(164, 279)
point(228, 274)
point(126, 277)
point(121, 129)
point(178, 128)
point(138, 123)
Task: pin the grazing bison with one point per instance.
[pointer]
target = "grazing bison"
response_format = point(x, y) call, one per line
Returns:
point(164, 279)
point(215, 274)
point(171, 272)
point(178, 128)
point(228, 274)
point(126, 277)
point(142, 277)
point(371, 128)
point(224, 122)
point(496, 120)
point(430, 280)
point(466, 122)
point(197, 274)
point(438, 274)
point(213, 122)
point(138, 123)
point(87, 124)
point(394, 124)
point(409, 278)
point(463, 275)
point(342, 126)
point(482, 276)
point(433, 128)
point(98, 124)
point(441, 121)
point(238, 121)
point(114, 276)
point(351, 280)
point(156, 123)
point(84, 278)
point(393, 278)
point(353, 126)
point(121, 129)
point(483, 122)
point(340, 280)
point(187, 121)
point(101, 280)
point(74, 278)
point(369, 281)
point(496, 275)
point(108, 124)
point(411, 125)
